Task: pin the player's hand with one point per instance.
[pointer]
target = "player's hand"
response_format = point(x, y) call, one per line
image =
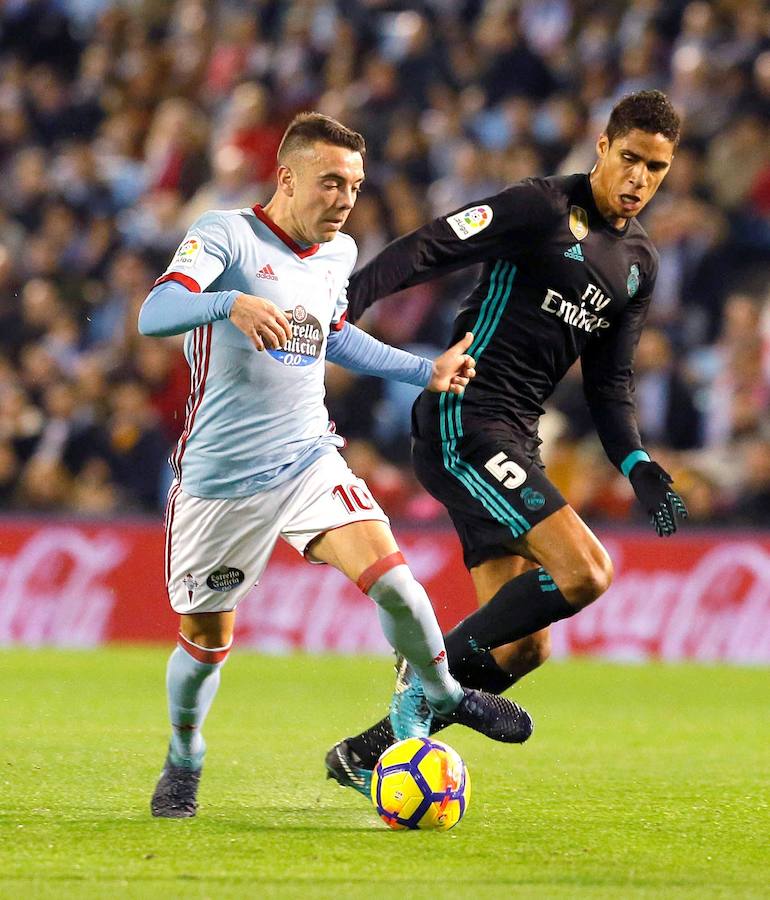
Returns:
point(454, 368)
point(664, 506)
point(261, 321)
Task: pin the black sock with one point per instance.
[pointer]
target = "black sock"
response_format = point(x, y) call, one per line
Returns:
point(522, 606)
point(480, 671)
point(372, 743)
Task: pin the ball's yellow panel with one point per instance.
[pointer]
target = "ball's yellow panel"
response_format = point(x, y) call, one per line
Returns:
point(400, 794)
point(402, 752)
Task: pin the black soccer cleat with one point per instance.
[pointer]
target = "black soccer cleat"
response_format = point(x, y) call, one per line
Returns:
point(176, 792)
point(346, 768)
point(496, 717)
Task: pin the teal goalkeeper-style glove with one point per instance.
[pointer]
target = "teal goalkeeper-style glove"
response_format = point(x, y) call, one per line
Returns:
point(664, 506)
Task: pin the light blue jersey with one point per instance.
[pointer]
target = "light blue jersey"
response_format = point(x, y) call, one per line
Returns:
point(255, 419)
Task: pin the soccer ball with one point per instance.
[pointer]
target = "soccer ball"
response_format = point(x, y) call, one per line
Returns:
point(421, 783)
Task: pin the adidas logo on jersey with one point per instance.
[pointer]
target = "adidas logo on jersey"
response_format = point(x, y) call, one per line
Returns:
point(575, 252)
point(267, 272)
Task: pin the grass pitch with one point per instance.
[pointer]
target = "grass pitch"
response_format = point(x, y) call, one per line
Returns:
point(640, 781)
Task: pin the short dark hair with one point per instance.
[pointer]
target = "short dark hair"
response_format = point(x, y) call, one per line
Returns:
point(649, 111)
point(308, 127)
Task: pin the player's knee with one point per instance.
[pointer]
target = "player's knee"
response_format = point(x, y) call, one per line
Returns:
point(208, 635)
point(589, 580)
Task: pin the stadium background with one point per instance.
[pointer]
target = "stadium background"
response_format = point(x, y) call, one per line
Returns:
point(120, 122)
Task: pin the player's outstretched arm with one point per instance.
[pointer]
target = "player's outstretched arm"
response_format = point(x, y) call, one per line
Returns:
point(454, 368)
point(652, 486)
point(263, 323)
point(359, 352)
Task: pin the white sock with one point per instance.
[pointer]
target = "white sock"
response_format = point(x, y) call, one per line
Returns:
point(409, 623)
point(191, 685)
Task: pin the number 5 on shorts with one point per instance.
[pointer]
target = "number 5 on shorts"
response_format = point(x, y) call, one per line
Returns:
point(506, 471)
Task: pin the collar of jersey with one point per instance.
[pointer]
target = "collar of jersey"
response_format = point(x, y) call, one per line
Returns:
point(301, 251)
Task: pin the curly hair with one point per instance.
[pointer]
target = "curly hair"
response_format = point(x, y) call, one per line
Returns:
point(649, 111)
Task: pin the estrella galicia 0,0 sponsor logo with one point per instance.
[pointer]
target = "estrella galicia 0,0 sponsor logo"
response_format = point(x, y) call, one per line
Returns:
point(225, 578)
point(307, 338)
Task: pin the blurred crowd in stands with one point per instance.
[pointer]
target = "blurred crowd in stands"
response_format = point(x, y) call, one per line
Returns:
point(121, 121)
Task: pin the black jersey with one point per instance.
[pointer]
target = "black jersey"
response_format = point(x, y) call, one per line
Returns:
point(558, 282)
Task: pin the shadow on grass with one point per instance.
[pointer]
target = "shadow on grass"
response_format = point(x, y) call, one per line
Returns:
point(221, 819)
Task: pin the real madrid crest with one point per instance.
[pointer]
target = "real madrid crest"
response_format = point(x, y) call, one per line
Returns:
point(633, 280)
point(578, 222)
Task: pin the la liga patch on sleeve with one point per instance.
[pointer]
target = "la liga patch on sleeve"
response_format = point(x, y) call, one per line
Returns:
point(188, 252)
point(470, 221)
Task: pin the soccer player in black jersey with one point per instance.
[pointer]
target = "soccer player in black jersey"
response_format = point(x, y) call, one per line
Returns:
point(568, 273)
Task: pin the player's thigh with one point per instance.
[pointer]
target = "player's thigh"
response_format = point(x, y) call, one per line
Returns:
point(337, 520)
point(216, 551)
point(355, 547)
point(571, 554)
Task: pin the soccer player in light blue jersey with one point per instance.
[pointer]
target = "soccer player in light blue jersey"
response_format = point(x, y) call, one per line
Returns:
point(260, 296)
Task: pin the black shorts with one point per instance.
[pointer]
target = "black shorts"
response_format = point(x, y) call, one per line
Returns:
point(493, 491)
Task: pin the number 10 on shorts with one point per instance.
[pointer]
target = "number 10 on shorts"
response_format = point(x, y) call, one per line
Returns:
point(353, 497)
point(506, 471)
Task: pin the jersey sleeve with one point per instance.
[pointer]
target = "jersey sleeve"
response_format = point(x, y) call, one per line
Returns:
point(608, 382)
point(172, 308)
point(203, 255)
point(360, 352)
point(495, 226)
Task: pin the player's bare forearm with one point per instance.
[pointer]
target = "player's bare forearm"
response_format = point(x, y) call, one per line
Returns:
point(454, 368)
point(261, 321)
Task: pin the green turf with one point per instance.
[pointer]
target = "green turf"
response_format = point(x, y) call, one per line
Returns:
point(639, 782)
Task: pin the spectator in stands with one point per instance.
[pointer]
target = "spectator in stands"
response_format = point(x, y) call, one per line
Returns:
point(665, 404)
point(114, 116)
point(137, 445)
point(752, 505)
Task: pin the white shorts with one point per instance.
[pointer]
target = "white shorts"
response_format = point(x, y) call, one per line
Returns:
point(217, 550)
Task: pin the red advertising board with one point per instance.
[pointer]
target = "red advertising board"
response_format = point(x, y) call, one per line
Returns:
point(75, 584)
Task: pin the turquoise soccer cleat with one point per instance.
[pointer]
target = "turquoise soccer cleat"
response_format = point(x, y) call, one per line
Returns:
point(410, 715)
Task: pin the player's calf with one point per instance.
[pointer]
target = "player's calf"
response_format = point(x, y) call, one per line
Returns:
point(409, 623)
point(514, 660)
